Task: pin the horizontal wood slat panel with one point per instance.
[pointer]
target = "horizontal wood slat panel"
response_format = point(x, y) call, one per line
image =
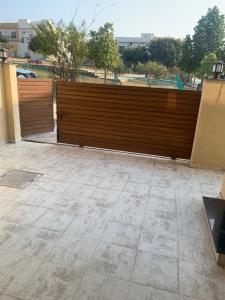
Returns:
point(129, 115)
point(146, 120)
point(136, 96)
point(121, 89)
point(130, 129)
point(36, 105)
point(121, 122)
point(126, 107)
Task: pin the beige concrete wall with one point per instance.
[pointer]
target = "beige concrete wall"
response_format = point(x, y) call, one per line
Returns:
point(209, 143)
point(3, 118)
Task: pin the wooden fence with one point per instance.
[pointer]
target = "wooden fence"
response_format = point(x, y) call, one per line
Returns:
point(36, 105)
point(144, 120)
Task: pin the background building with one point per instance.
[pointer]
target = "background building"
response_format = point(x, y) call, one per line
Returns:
point(19, 34)
point(133, 42)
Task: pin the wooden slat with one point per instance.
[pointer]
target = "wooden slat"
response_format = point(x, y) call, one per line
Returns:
point(146, 120)
point(36, 105)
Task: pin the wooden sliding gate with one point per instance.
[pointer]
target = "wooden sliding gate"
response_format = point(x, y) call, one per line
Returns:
point(36, 105)
point(144, 120)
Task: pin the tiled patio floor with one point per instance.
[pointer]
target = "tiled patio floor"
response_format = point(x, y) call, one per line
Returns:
point(105, 226)
point(49, 137)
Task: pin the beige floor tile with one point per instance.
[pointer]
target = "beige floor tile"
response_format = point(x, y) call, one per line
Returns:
point(112, 260)
point(157, 271)
point(73, 252)
point(195, 250)
point(140, 292)
point(105, 198)
point(16, 271)
point(159, 295)
point(192, 224)
point(53, 281)
point(202, 281)
point(55, 220)
point(5, 297)
point(10, 233)
point(168, 193)
point(141, 189)
point(52, 186)
point(162, 204)
point(89, 226)
point(191, 298)
point(129, 215)
point(158, 242)
point(6, 207)
point(65, 204)
point(36, 242)
point(96, 286)
point(79, 191)
point(41, 198)
point(121, 234)
point(161, 222)
point(130, 209)
point(115, 182)
point(90, 179)
point(133, 199)
point(159, 181)
point(24, 214)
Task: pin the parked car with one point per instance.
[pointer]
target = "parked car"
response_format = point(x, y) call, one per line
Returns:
point(22, 73)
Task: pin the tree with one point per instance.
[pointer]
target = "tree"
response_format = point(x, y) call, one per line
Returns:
point(103, 50)
point(132, 56)
point(221, 52)
point(158, 71)
point(187, 60)
point(205, 69)
point(209, 35)
point(167, 51)
point(66, 45)
point(76, 45)
point(46, 39)
point(11, 47)
point(119, 68)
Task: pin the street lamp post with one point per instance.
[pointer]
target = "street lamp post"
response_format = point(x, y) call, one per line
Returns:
point(217, 69)
point(3, 53)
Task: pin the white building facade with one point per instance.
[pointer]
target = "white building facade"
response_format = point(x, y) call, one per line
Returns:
point(20, 34)
point(133, 42)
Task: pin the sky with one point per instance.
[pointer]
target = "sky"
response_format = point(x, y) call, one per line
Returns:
point(174, 18)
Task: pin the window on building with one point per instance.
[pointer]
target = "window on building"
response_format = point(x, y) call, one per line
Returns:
point(13, 34)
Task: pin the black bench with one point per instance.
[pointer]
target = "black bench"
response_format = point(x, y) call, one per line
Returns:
point(215, 214)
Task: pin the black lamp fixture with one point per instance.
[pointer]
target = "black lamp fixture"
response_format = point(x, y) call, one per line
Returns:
point(3, 53)
point(217, 69)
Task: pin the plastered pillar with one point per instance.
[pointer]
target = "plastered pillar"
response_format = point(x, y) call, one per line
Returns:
point(209, 143)
point(3, 113)
point(11, 103)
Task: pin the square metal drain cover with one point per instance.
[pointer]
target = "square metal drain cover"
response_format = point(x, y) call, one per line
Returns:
point(18, 179)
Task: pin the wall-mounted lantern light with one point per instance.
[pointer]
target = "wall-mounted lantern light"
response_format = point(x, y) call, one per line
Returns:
point(3, 53)
point(217, 69)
